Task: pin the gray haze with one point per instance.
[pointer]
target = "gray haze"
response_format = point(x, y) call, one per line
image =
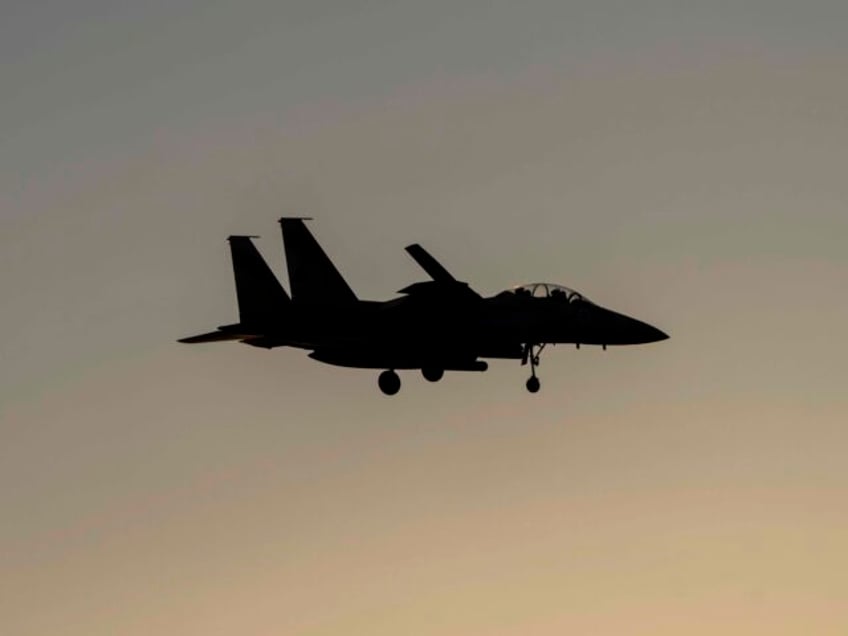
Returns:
point(681, 162)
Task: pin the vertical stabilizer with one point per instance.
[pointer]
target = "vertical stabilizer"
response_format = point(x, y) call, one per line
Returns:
point(261, 298)
point(312, 276)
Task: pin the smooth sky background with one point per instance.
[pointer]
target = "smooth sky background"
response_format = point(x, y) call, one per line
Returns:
point(681, 162)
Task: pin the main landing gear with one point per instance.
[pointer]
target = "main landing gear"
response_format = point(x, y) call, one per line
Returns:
point(531, 355)
point(432, 374)
point(389, 382)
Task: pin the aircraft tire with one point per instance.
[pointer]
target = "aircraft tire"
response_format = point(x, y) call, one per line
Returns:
point(389, 382)
point(533, 384)
point(432, 374)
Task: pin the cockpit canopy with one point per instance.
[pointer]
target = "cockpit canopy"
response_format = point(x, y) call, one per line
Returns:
point(547, 290)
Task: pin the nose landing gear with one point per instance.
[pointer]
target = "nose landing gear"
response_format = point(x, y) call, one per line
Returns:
point(389, 382)
point(532, 352)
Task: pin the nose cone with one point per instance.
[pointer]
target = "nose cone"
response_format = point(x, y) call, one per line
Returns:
point(610, 327)
point(643, 333)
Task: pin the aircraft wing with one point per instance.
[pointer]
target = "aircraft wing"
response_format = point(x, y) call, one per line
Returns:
point(443, 283)
point(429, 264)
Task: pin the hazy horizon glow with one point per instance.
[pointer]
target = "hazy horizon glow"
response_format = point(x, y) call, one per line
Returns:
point(682, 164)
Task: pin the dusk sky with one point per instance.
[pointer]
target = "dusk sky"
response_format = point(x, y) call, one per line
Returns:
point(685, 163)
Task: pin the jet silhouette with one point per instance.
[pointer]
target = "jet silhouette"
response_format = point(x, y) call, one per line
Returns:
point(436, 325)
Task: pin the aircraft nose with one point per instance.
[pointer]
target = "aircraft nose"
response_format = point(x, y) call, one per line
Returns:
point(615, 328)
point(649, 333)
point(638, 332)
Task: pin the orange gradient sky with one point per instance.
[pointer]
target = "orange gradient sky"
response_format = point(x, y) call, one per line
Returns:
point(680, 162)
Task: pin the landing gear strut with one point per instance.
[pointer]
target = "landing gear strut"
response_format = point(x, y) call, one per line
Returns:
point(531, 355)
point(389, 382)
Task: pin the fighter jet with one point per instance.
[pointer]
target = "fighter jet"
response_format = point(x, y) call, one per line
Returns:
point(436, 325)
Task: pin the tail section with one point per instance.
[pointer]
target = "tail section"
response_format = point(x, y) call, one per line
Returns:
point(261, 298)
point(312, 276)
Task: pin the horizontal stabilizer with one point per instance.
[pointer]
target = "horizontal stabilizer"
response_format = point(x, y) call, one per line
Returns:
point(213, 336)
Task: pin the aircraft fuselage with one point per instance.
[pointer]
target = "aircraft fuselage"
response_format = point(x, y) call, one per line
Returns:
point(436, 325)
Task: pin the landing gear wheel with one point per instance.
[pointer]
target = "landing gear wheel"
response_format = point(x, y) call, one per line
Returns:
point(531, 354)
point(432, 374)
point(389, 382)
